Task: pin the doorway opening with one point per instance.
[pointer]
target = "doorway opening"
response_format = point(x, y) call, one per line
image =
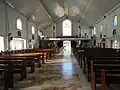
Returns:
point(115, 44)
point(1, 43)
point(18, 44)
point(67, 31)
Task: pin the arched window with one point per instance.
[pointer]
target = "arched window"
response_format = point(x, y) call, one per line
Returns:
point(101, 27)
point(1, 43)
point(115, 21)
point(94, 31)
point(67, 26)
point(33, 30)
point(19, 24)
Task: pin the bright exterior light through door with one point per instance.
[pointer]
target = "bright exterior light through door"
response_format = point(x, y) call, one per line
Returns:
point(1, 43)
point(67, 31)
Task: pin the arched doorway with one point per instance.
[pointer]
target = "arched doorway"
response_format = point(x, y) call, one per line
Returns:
point(67, 31)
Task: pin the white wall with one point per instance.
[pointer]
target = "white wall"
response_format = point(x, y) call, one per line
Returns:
point(85, 29)
point(108, 26)
point(48, 32)
point(8, 18)
point(75, 27)
point(12, 20)
point(59, 28)
point(2, 19)
point(30, 24)
point(3, 22)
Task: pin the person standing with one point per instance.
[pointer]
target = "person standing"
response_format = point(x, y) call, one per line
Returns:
point(104, 41)
point(86, 36)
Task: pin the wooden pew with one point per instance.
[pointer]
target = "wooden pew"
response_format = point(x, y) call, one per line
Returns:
point(39, 54)
point(34, 55)
point(21, 62)
point(45, 50)
point(102, 59)
point(79, 54)
point(29, 61)
point(108, 78)
point(98, 75)
point(18, 66)
point(98, 52)
point(88, 60)
point(6, 74)
point(45, 53)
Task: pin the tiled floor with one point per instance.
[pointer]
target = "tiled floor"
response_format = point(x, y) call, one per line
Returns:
point(61, 73)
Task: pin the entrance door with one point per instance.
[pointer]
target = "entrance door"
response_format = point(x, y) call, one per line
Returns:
point(67, 46)
point(115, 44)
point(67, 26)
point(1, 43)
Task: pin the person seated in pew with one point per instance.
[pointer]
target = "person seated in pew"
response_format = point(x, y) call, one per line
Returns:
point(1, 52)
point(86, 36)
point(104, 42)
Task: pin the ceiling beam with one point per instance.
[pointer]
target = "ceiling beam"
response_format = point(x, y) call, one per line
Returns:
point(55, 22)
point(85, 24)
point(109, 13)
point(87, 7)
point(46, 10)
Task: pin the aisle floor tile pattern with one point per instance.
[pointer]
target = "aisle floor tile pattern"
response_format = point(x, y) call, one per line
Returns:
point(60, 73)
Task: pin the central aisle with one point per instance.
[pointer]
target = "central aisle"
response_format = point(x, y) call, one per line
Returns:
point(60, 73)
